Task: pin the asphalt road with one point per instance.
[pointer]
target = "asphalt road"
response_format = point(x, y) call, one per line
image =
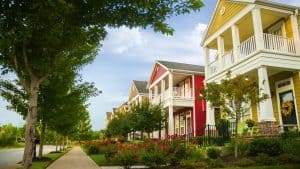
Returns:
point(10, 157)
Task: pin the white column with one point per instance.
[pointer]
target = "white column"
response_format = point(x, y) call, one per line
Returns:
point(155, 90)
point(235, 42)
point(194, 110)
point(163, 88)
point(171, 118)
point(140, 99)
point(295, 29)
point(258, 29)
point(221, 50)
point(210, 115)
point(206, 57)
point(266, 112)
point(150, 94)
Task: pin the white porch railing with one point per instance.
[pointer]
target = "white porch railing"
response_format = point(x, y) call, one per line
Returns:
point(184, 93)
point(247, 47)
point(213, 67)
point(228, 59)
point(280, 44)
point(272, 43)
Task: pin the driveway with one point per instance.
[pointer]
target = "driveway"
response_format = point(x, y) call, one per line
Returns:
point(10, 157)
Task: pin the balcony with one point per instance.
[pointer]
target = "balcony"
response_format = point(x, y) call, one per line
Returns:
point(272, 43)
point(179, 93)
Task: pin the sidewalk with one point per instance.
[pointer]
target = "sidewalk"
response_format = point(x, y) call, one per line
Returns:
point(75, 159)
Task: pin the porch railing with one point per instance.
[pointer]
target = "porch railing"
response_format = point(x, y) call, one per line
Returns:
point(180, 92)
point(272, 43)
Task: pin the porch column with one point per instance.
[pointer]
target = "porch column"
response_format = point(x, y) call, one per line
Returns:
point(150, 94)
point(171, 117)
point(266, 112)
point(140, 99)
point(210, 115)
point(163, 88)
point(221, 50)
point(155, 90)
point(235, 42)
point(258, 29)
point(295, 29)
point(206, 56)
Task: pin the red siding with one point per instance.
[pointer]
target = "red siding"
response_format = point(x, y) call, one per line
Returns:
point(158, 71)
point(200, 105)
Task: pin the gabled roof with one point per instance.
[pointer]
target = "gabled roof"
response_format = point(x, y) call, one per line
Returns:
point(141, 86)
point(181, 66)
point(259, 2)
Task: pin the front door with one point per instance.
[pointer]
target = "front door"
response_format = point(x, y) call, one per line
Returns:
point(286, 105)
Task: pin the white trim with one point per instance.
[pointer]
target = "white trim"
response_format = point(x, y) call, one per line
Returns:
point(194, 109)
point(282, 90)
point(159, 79)
point(275, 9)
point(228, 24)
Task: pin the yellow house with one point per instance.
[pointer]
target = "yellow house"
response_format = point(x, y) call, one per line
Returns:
point(259, 39)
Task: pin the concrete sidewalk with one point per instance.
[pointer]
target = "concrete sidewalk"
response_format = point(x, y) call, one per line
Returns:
point(75, 159)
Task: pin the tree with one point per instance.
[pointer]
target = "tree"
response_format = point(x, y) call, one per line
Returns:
point(231, 96)
point(38, 35)
point(159, 118)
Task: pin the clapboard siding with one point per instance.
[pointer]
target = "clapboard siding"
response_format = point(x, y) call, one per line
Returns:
point(296, 79)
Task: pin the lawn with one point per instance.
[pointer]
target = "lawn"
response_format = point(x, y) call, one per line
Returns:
point(268, 167)
point(18, 145)
point(100, 160)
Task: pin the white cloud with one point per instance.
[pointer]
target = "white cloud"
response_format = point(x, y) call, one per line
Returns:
point(146, 46)
point(116, 98)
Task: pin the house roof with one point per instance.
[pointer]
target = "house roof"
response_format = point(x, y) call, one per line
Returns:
point(141, 86)
point(181, 66)
point(260, 2)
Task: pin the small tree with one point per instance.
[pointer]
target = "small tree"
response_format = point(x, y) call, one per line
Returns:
point(232, 95)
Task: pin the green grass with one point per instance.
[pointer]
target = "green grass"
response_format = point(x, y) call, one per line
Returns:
point(296, 166)
point(100, 160)
point(44, 164)
point(18, 145)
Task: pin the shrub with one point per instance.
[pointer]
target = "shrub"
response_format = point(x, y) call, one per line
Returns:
point(177, 152)
point(192, 164)
point(264, 159)
point(127, 155)
point(288, 158)
point(290, 135)
point(216, 163)
point(250, 123)
point(92, 149)
point(269, 146)
point(153, 156)
point(291, 146)
point(110, 152)
point(243, 147)
point(213, 153)
point(196, 153)
point(244, 162)
point(204, 141)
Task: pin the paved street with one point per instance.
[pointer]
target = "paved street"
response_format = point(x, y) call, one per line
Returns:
point(10, 157)
point(75, 159)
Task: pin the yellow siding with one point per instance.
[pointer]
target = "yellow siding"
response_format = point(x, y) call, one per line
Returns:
point(288, 28)
point(296, 79)
point(231, 10)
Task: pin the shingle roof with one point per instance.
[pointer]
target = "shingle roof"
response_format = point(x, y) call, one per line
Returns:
point(141, 86)
point(182, 66)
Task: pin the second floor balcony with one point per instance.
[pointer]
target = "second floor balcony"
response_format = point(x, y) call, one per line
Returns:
point(178, 93)
point(271, 43)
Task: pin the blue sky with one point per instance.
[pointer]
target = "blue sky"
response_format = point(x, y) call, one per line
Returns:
point(129, 54)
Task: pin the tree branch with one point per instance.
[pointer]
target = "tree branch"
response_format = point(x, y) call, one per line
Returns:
point(18, 73)
point(27, 67)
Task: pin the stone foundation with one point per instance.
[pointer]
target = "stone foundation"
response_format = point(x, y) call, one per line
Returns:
point(268, 128)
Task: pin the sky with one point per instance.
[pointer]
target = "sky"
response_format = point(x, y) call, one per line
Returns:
point(129, 54)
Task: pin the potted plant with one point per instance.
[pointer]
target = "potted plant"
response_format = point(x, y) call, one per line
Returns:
point(250, 123)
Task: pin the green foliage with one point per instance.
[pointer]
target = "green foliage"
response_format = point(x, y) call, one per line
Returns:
point(195, 153)
point(244, 162)
point(205, 141)
point(264, 159)
point(215, 163)
point(177, 152)
point(154, 156)
point(92, 149)
point(110, 152)
point(8, 135)
point(213, 153)
point(290, 135)
point(269, 146)
point(291, 146)
point(192, 164)
point(288, 158)
point(250, 122)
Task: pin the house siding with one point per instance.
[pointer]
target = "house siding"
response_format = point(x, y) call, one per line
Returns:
point(231, 10)
point(288, 28)
point(299, 23)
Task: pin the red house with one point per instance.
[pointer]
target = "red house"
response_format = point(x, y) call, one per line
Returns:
point(176, 86)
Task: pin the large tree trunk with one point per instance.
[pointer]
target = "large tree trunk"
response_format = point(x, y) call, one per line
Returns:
point(30, 123)
point(42, 139)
